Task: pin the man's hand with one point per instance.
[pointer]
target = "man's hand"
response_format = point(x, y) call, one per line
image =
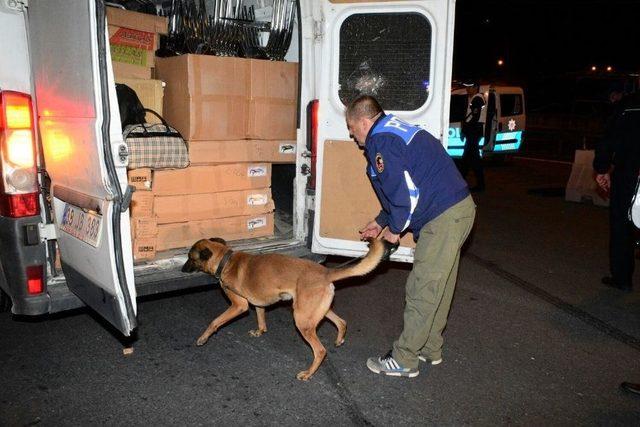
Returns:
point(370, 230)
point(604, 181)
point(389, 236)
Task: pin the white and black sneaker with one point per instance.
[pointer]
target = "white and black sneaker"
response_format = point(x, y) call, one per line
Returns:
point(387, 365)
point(430, 361)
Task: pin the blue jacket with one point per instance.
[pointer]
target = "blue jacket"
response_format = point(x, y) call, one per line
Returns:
point(412, 174)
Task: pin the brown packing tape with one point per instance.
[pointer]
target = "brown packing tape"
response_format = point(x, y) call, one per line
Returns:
point(183, 235)
point(198, 207)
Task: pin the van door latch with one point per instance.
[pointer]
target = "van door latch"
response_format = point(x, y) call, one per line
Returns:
point(123, 153)
point(47, 232)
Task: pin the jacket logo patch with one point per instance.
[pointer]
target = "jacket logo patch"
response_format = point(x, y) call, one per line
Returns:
point(379, 163)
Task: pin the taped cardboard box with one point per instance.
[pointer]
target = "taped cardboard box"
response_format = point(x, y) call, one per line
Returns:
point(273, 100)
point(185, 234)
point(150, 93)
point(198, 207)
point(140, 179)
point(142, 204)
point(136, 20)
point(132, 46)
point(206, 97)
point(211, 179)
point(144, 248)
point(247, 150)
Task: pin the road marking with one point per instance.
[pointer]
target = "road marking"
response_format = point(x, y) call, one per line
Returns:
point(568, 308)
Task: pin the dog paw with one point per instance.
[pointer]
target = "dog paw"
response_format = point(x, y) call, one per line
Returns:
point(303, 375)
point(201, 341)
point(257, 332)
point(339, 342)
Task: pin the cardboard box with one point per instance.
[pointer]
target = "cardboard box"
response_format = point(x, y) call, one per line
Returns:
point(273, 100)
point(246, 150)
point(137, 21)
point(150, 93)
point(183, 235)
point(142, 204)
point(206, 97)
point(140, 179)
point(198, 207)
point(211, 179)
point(125, 71)
point(144, 227)
point(144, 248)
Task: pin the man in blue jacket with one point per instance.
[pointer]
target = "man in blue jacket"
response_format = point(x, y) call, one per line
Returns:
point(420, 190)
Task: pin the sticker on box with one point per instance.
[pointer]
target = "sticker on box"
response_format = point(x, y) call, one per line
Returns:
point(287, 149)
point(255, 171)
point(133, 38)
point(258, 222)
point(257, 199)
point(129, 55)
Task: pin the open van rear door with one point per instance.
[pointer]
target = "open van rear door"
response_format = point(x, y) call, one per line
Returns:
point(400, 52)
point(84, 153)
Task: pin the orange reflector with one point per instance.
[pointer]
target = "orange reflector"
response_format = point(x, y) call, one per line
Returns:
point(34, 279)
point(17, 109)
point(20, 148)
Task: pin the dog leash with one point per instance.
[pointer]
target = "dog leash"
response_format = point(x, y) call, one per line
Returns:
point(389, 249)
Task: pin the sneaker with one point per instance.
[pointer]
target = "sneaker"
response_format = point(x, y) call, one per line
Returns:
point(387, 365)
point(433, 362)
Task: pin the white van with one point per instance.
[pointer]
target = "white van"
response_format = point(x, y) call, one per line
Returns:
point(71, 154)
point(503, 111)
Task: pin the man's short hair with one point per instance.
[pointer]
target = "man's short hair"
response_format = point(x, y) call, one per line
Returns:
point(363, 106)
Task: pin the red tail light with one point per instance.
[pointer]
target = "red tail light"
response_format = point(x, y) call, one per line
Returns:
point(19, 183)
point(312, 139)
point(34, 279)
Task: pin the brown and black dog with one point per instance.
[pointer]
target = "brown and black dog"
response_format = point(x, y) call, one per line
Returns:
point(262, 280)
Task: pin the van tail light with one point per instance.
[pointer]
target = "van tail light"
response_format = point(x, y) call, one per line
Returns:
point(312, 140)
point(19, 179)
point(35, 284)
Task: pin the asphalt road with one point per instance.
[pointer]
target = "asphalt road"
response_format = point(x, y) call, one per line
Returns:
point(533, 339)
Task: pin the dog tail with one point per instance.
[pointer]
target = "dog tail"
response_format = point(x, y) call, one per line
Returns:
point(377, 252)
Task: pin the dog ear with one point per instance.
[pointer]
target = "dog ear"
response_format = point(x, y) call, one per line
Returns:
point(205, 254)
point(218, 240)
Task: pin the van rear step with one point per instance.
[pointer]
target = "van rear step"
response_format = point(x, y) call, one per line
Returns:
point(165, 275)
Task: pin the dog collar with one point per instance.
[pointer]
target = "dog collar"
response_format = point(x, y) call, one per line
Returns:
point(223, 263)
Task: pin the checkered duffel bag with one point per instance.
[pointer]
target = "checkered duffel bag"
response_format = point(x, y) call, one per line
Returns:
point(156, 146)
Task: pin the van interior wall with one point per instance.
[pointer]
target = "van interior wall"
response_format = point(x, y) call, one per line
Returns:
point(282, 177)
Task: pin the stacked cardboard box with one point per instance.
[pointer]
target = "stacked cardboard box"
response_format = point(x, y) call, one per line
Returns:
point(134, 38)
point(150, 92)
point(239, 117)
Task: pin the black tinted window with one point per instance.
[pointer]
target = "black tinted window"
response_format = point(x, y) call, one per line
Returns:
point(387, 55)
point(510, 105)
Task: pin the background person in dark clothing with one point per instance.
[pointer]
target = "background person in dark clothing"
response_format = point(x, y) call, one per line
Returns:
point(617, 164)
point(471, 132)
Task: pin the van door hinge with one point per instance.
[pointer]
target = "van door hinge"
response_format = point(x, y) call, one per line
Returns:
point(47, 232)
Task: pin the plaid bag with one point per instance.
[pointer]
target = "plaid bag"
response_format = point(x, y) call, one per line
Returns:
point(156, 146)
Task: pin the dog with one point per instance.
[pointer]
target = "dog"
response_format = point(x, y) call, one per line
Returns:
point(262, 280)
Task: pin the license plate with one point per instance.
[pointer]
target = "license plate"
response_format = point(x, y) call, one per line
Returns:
point(83, 225)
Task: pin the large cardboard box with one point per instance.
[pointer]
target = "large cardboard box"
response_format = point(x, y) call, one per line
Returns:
point(126, 71)
point(198, 207)
point(211, 179)
point(183, 235)
point(137, 21)
point(246, 150)
point(150, 93)
point(206, 97)
point(273, 100)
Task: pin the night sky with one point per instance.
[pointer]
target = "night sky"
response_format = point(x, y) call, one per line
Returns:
point(544, 37)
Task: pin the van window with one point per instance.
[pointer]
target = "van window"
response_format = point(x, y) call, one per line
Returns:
point(510, 105)
point(387, 55)
point(458, 108)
